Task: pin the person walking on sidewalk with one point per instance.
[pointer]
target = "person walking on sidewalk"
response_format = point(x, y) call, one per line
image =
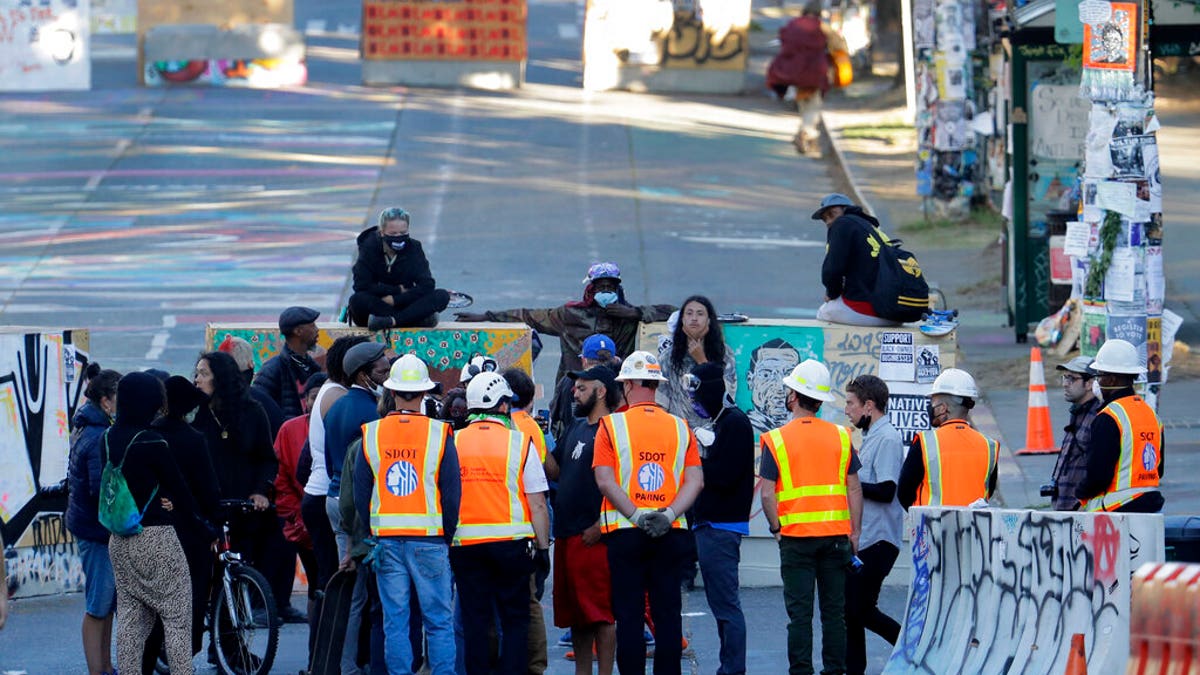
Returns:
point(1071, 468)
point(282, 376)
point(882, 520)
point(851, 264)
point(1125, 452)
point(648, 468)
point(503, 529)
point(393, 287)
point(953, 464)
point(800, 72)
point(582, 586)
point(722, 511)
point(812, 500)
point(407, 486)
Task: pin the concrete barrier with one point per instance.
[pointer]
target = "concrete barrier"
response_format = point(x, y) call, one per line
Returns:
point(1164, 628)
point(45, 46)
point(1003, 591)
point(445, 348)
point(41, 385)
point(259, 55)
point(450, 43)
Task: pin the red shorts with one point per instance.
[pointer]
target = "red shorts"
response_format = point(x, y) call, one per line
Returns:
point(582, 590)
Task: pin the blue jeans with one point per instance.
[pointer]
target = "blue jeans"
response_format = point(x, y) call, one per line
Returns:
point(719, 552)
point(405, 564)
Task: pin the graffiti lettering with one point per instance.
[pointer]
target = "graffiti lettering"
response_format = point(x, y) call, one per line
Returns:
point(690, 40)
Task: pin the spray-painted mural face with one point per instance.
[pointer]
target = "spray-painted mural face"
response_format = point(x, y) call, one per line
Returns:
point(769, 363)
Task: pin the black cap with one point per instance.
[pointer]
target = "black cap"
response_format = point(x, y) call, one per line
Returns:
point(360, 355)
point(597, 374)
point(1080, 364)
point(296, 316)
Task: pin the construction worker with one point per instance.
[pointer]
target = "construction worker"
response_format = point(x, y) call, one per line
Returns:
point(503, 530)
point(953, 464)
point(813, 503)
point(407, 486)
point(648, 468)
point(1071, 466)
point(1125, 452)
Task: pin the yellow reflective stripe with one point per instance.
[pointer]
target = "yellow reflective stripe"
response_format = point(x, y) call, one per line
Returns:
point(470, 532)
point(781, 461)
point(933, 466)
point(681, 447)
point(516, 453)
point(434, 447)
point(371, 452)
point(844, 464)
point(993, 457)
point(814, 517)
point(834, 490)
point(1125, 464)
point(431, 523)
point(623, 449)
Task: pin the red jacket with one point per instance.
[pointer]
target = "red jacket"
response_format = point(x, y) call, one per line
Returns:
point(288, 490)
point(803, 59)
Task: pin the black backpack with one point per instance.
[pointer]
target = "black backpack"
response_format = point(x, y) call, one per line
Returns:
point(901, 292)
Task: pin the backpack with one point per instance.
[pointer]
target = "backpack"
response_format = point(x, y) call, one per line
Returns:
point(118, 510)
point(901, 292)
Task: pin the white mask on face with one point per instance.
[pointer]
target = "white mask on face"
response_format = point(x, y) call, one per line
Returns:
point(1096, 388)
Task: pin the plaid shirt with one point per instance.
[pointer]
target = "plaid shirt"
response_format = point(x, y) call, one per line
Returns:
point(1071, 469)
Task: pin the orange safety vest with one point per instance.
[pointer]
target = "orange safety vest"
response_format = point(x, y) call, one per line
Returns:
point(523, 421)
point(492, 462)
point(955, 450)
point(405, 452)
point(813, 457)
point(650, 445)
point(1141, 448)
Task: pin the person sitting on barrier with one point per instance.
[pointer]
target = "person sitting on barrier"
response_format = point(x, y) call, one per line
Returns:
point(283, 376)
point(951, 449)
point(850, 266)
point(1071, 467)
point(812, 500)
point(393, 287)
point(1125, 452)
point(603, 309)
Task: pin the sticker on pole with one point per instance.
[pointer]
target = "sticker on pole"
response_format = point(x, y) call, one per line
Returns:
point(1094, 12)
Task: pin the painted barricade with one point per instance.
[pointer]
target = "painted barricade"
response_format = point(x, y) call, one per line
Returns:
point(697, 46)
point(1003, 591)
point(444, 43)
point(45, 45)
point(1164, 627)
point(445, 349)
point(41, 385)
point(255, 55)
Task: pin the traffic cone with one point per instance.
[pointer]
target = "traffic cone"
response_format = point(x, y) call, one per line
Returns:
point(1077, 661)
point(1039, 440)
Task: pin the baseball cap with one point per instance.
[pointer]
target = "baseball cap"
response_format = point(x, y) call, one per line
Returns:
point(831, 199)
point(296, 316)
point(596, 374)
point(360, 355)
point(594, 343)
point(603, 270)
point(1079, 364)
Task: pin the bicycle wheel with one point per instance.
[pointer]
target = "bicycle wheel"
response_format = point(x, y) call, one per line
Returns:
point(244, 624)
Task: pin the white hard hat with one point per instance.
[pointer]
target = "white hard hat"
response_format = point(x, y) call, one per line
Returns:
point(641, 365)
point(1118, 357)
point(485, 390)
point(478, 364)
point(810, 378)
point(955, 382)
point(409, 373)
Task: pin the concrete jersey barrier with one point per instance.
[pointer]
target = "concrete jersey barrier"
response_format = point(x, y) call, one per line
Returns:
point(250, 55)
point(1003, 591)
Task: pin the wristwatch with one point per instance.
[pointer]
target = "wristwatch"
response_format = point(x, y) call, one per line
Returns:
point(775, 530)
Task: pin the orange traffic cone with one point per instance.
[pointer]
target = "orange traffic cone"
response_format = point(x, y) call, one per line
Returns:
point(1039, 440)
point(1077, 661)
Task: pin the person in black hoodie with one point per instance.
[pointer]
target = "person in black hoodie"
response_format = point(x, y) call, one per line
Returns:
point(150, 567)
point(393, 287)
point(721, 516)
point(851, 263)
point(196, 535)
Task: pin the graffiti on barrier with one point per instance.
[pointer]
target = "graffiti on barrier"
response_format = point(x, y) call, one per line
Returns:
point(253, 73)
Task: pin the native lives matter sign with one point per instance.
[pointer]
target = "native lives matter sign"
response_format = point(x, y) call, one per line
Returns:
point(908, 409)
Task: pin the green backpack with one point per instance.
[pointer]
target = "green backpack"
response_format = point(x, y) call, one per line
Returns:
point(118, 510)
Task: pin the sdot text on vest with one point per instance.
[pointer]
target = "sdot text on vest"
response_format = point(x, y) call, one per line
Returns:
point(400, 453)
point(652, 456)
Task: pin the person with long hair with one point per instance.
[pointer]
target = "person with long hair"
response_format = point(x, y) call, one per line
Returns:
point(83, 520)
point(150, 567)
point(243, 453)
point(695, 339)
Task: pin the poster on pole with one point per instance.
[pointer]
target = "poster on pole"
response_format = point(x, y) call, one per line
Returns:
point(44, 45)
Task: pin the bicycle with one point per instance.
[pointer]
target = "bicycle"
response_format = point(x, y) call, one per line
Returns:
point(242, 620)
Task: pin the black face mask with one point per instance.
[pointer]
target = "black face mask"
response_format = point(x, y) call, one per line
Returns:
point(397, 242)
point(864, 422)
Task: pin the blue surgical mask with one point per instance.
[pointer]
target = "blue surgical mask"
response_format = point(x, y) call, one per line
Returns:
point(606, 298)
point(700, 410)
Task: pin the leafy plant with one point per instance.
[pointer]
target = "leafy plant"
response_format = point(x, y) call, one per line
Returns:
point(1108, 241)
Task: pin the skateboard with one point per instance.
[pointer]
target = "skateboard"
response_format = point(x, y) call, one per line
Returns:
point(939, 322)
point(331, 626)
point(732, 317)
point(458, 300)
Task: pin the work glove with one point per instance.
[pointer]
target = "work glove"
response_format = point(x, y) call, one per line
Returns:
point(541, 561)
point(659, 523)
point(639, 517)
